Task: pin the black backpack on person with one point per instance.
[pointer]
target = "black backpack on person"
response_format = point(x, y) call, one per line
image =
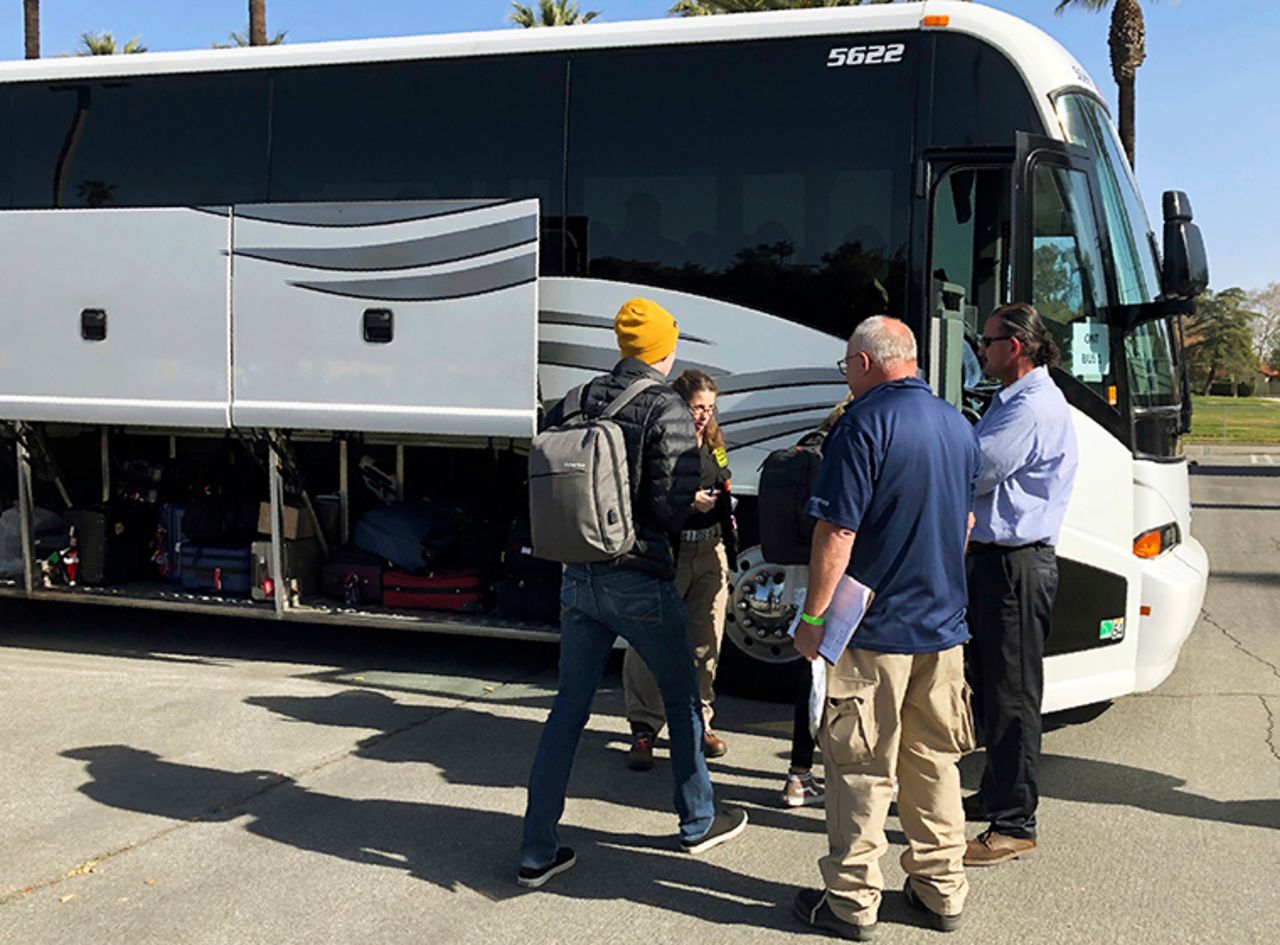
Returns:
point(786, 482)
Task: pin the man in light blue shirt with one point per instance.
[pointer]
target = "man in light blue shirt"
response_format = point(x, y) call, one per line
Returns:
point(1028, 447)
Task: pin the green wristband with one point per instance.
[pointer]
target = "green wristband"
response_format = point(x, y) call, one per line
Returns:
point(812, 621)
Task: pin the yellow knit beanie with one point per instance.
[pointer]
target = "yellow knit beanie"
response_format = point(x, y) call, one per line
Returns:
point(645, 330)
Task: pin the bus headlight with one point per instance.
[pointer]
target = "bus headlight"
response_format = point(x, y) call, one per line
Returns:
point(1156, 541)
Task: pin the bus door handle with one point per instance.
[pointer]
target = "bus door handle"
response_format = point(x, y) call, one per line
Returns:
point(93, 324)
point(379, 326)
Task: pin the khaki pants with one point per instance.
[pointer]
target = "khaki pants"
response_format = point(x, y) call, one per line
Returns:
point(905, 718)
point(702, 579)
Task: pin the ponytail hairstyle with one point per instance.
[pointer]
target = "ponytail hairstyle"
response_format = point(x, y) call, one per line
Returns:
point(1023, 322)
point(692, 382)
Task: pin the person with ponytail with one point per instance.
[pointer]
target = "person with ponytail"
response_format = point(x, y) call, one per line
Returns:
point(707, 546)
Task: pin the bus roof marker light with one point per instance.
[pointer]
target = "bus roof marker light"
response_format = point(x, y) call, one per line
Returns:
point(936, 20)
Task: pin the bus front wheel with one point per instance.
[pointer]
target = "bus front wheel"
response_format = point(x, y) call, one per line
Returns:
point(757, 658)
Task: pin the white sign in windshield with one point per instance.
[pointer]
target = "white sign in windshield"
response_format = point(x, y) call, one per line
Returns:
point(1090, 351)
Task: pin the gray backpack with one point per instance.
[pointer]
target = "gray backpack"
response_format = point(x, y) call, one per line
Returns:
point(579, 484)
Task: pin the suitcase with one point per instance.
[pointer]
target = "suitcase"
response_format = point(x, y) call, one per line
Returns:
point(302, 563)
point(528, 600)
point(113, 542)
point(168, 541)
point(353, 577)
point(530, 589)
point(462, 591)
point(411, 535)
point(227, 570)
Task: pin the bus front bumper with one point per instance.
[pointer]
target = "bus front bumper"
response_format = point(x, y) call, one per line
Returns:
point(1173, 588)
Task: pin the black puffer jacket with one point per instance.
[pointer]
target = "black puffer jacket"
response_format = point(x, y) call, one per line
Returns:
point(662, 452)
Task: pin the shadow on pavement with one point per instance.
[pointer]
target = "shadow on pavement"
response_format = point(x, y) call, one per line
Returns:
point(505, 755)
point(1103, 782)
point(451, 847)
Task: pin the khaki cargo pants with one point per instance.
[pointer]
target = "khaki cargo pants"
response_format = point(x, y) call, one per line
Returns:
point(905, 718)
point(702, 579)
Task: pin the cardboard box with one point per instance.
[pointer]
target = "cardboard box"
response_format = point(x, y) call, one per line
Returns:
point(297, 523)
point(303, 561)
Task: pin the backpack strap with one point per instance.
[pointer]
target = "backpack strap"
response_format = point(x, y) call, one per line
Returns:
point(572, 403)
point(629, 393)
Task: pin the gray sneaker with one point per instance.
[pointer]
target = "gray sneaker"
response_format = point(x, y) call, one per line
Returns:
point(728, 824)
point(802, 790)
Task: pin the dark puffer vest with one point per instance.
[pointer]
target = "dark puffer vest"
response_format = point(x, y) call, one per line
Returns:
point(662, 453)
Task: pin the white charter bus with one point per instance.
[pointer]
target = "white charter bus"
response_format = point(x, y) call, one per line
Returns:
point(399, 248)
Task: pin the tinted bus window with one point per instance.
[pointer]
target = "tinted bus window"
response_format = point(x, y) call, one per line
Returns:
point(753, 173)
point(140, 142)
point(442, 129)
point(979, 99)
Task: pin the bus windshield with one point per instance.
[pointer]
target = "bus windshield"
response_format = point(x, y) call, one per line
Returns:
point(1152, 377)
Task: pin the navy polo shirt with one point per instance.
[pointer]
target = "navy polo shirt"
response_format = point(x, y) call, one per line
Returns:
point(900, 469)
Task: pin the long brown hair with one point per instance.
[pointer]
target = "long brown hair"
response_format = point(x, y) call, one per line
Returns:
point(691, 382)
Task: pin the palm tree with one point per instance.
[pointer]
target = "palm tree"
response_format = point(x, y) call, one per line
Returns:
point(550, 13)
point(239, 40)
point(31, 27)
point(257, 22)
point(104, 44)
point(709, 7)
point(1128, 42)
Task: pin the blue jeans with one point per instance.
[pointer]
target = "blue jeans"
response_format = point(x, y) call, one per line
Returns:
point(599, 603)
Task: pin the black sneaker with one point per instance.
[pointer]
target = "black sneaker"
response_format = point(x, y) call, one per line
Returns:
point(811, 908)
point(531, 877)
point(936, 920)
point(727, 825)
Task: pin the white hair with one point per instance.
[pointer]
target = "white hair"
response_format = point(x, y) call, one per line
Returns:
point(886, 341)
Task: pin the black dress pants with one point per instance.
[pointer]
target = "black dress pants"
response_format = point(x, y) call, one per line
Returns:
point(1011, 595)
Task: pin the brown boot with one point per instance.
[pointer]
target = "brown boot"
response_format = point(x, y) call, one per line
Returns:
point(640, 756)
point(712, 745)
point(990, 848)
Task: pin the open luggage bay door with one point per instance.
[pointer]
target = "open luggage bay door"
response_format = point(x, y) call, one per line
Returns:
point(115, 316)
point(415, 318)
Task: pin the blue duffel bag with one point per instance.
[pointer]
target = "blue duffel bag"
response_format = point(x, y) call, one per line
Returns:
point(411, 535)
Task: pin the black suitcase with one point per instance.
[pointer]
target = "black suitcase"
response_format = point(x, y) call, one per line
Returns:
point(113, 542)
point(530, 588)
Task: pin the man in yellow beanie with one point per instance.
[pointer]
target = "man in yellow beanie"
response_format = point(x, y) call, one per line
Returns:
point(633, 596)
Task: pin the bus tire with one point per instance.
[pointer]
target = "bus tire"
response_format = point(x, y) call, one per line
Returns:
point(757, 658)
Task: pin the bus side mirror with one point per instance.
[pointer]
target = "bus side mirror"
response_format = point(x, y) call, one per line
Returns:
point(1186, 267)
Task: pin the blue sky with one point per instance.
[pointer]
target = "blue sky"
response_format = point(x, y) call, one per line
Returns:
point(1203, 93)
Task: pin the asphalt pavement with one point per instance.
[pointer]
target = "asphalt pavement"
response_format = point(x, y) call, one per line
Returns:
point(189, 780)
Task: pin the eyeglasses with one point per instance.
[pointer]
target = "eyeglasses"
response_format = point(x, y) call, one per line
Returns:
point(703, 410)
point(986, 341)
point(842, 365)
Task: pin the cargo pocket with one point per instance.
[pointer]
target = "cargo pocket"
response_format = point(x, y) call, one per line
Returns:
point(850, 721)
point(962, 714)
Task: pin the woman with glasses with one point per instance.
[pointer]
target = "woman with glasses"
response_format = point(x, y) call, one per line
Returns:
point(706, 548)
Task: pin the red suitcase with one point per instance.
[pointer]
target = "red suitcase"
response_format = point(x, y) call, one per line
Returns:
point(462, 590)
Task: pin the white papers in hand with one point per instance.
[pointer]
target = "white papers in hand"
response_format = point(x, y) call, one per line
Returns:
point(817, 696)
point(848, 606)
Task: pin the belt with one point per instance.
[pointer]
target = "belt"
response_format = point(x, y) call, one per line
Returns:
point(986, 547)
point(701, 534)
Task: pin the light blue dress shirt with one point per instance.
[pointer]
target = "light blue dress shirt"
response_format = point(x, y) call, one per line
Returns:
point(1029, 454)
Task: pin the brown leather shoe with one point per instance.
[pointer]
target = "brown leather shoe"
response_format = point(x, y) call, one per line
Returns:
point(640, 757)
point(990, 848)
point(712, 745)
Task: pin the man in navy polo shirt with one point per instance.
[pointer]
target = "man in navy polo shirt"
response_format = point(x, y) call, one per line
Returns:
point(898, 475)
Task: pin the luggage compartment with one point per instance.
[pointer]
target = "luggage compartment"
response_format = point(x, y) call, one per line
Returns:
point(168, 520)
